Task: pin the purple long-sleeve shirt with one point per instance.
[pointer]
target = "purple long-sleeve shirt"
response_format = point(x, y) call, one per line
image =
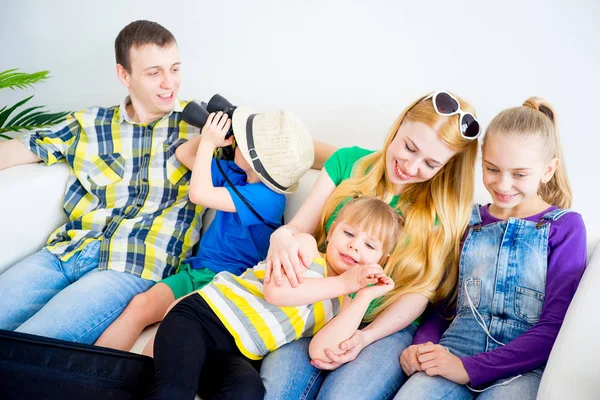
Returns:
point(566, 263)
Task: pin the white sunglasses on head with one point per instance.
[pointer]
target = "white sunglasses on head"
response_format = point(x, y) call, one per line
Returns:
point(445, 104)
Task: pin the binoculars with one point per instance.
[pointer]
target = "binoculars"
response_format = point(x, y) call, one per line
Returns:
point(196, 114)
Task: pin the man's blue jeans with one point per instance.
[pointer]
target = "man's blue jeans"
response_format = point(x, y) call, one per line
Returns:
point(69, 300)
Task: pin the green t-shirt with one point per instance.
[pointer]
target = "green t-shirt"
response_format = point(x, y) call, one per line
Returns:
point(340, 166)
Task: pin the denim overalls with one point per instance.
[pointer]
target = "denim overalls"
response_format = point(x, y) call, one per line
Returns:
point(502, 283)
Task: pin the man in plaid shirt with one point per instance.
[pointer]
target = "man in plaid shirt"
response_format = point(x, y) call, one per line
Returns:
point(130, 221)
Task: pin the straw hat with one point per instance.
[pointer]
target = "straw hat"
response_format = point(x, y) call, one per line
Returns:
point(276, 145)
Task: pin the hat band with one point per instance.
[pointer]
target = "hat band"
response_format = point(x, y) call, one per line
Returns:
point(258, 166)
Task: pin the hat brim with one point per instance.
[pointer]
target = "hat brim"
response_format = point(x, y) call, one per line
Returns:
point(239, 122)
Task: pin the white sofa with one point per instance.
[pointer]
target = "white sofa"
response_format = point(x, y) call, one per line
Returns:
point(31, 207)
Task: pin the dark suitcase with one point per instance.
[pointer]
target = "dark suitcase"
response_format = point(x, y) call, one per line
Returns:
point(35, 367)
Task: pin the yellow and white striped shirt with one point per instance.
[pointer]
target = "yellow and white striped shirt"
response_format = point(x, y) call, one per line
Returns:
point(257, 326)
point(126, 189)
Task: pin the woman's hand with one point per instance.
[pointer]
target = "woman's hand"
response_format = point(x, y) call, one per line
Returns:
point(285, 253)
point(216, 127)
point(437, 360)
point(350, 349)
point(409, 361)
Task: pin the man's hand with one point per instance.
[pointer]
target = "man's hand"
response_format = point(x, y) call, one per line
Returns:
point(437, 360)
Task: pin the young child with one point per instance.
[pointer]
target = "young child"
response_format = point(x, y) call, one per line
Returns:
point(281, 152)
point(521, 262)
point(239, 319)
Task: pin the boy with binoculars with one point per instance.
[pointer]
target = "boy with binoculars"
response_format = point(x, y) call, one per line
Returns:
point(272, 152)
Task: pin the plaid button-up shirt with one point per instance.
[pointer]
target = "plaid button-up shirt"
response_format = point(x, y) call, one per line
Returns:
point(126, 189)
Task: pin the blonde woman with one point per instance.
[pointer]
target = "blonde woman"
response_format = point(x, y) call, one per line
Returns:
point(425, 171)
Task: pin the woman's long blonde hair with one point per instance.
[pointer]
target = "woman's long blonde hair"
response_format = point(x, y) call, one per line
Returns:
point(436, 212)
point(536, 117)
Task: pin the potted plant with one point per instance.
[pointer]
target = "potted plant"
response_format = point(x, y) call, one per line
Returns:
point(16, 118)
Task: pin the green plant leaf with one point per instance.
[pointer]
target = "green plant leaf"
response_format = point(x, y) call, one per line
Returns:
point(6, 113)
point(22, 115)
point(37, 120)
point(31, 117)
point(13, 79)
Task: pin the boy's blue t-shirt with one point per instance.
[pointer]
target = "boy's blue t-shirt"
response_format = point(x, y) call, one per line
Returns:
point(236, 241)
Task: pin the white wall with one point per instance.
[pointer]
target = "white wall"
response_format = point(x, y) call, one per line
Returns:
point(347, 68)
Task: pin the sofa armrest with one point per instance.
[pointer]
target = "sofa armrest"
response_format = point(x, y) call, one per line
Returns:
point(30, 209)
point(572, 370)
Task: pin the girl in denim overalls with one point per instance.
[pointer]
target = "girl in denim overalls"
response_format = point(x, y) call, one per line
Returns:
point(521, 261)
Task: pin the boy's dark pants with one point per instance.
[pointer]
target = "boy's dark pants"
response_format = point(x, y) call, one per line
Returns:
point(192, 342)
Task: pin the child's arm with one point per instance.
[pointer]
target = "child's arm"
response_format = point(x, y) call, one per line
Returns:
point(202, 191)
point(186, 153)
point(313, 290)
point(345, 324)
point(393, 319)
